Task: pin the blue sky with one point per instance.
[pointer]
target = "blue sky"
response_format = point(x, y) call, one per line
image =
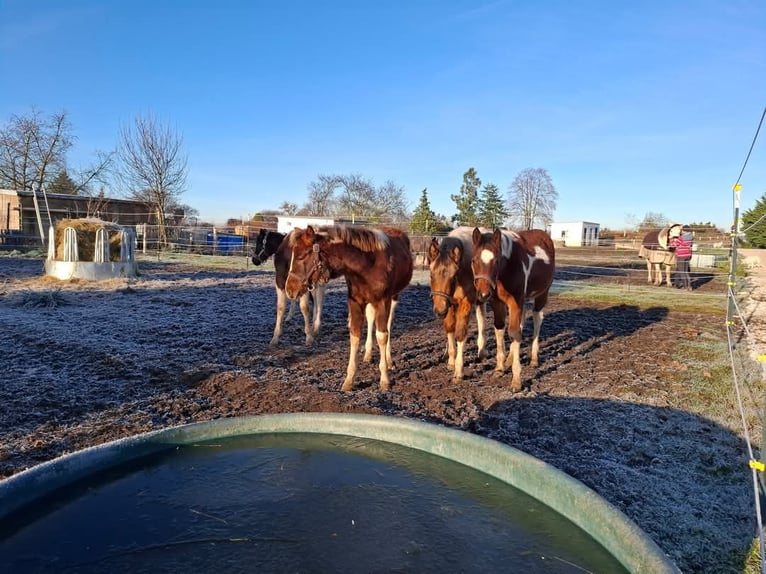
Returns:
point(631, 107)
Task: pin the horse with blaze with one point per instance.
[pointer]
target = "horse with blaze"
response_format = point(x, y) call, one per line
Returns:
point(453, 293)
point(509, 269)
point(377, 265)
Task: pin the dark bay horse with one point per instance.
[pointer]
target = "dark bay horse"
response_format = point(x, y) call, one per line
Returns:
point(509, 269)
point(453, 293)
point(270, 243)
point(377, 265)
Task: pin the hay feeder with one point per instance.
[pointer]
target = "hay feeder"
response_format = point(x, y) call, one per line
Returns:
point(91, 249)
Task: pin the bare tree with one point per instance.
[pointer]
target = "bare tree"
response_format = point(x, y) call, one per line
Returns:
point(288, 208)
point(96, 173)
point(532, 199)
point(153, 166)
point(653, 220)
point(321, 201)
point(357, 196)
point(33, 149)
point(389, 202)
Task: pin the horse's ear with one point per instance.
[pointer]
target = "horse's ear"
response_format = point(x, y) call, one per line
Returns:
point(476, 235)
point(457, 253)
point(433, 250)
point(310, 232)
point(497, 237)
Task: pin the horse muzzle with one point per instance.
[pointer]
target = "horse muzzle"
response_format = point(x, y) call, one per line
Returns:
point(295, 288)
point(441, 303)
point(484, 286)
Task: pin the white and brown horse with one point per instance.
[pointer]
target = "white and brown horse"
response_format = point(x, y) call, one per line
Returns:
point(274, 243)
point(454, 295)
point(377, 265)
point(509, 269)
point(655, 248)
point(270, 243)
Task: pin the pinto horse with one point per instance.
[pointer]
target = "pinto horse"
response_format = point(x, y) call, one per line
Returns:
point(270, 243)
point(454, 294)
point(510, 269)
point(377, 265)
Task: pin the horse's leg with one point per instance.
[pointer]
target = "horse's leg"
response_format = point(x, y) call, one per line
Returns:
point(307, 328)
point(449, 328)
point(499, 312)
point(514, 332)
point(355, 313)
point(281, 305)
point(648, 268)
point(668, 281)
point(537, 321)
point(509, 359)
point(291, 310)
point(389, 359)
point(462, 317)
point(480, 341)
point(369, 312)
point(382, 320)
point(319, 292)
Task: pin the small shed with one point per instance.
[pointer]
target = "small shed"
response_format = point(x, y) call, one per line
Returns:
point(575, 233)
point(286, 223)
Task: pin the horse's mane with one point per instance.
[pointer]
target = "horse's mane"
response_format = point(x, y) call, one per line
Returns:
point(362, 238)
point(508, 238)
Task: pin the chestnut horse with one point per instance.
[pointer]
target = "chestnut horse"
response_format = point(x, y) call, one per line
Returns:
point(377, 265)
point(454, 294)
point(270, 243)
point(510, 269)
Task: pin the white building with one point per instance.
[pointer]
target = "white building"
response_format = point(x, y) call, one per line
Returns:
point(575, 233)
point(286, 223)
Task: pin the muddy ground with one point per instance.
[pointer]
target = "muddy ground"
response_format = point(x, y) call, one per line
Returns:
point(84, 363)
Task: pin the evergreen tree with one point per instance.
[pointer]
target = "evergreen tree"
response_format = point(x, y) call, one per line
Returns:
point(423, 219)
point(62, 183)
point(467, 201)
point(492, 212)
point(754, 224)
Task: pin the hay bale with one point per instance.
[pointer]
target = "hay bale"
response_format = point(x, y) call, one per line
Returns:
point(86, 237)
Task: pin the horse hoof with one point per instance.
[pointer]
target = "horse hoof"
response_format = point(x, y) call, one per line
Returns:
point(367, 358)
point(274, 343)
point(347, 386)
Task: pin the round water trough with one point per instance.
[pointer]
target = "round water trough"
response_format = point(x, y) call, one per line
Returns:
point(300, 492)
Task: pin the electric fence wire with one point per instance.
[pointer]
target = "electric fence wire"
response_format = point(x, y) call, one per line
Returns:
point(755, 465)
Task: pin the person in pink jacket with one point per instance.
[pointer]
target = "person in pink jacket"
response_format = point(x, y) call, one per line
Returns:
point(683, 249)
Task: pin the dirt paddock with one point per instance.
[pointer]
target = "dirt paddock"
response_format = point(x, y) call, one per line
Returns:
point(84, 363)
